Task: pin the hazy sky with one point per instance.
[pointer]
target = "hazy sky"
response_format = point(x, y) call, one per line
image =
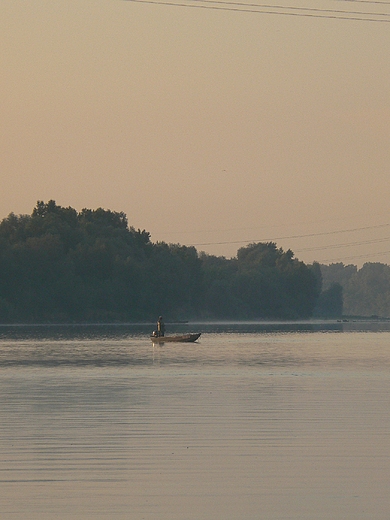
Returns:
point(203, 126)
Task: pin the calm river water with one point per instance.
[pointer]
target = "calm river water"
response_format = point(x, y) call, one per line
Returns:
point(252, 422)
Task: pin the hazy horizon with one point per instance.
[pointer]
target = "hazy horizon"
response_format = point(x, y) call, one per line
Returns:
point(206, 127)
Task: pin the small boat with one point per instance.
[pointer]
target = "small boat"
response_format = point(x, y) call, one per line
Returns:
point(183, 338)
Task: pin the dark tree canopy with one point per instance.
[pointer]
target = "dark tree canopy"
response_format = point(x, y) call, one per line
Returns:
point(59, 265)
point(365, 291)
point(263, 282)
point(330, 302)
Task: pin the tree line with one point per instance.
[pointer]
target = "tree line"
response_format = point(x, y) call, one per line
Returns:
point(364, 292)
point(60, 265)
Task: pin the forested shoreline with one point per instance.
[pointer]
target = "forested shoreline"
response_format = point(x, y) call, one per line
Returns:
point(58, 265)
point(365, 291)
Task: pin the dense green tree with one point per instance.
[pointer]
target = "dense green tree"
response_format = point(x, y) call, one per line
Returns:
point(219, 299)
point(368, 291)
point(60, 265)
point(330, 302)
point(337, 273)
point(274, 283)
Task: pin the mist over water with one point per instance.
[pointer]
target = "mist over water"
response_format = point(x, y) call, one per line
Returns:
point(270, 421)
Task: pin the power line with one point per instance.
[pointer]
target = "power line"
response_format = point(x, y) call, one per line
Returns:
point(264, 9)
point(339, 246)
point(381, 253)
point(249, 228)
point(292, 236)
point(291, 8)
point(372, 2)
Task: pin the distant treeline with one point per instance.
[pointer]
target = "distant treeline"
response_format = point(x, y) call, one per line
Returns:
point(60, 265)
point(365, 291)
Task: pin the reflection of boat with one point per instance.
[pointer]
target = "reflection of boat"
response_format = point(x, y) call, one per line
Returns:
point(183, 338)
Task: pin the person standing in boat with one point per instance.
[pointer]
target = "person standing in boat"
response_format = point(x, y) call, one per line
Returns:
point(160, 327)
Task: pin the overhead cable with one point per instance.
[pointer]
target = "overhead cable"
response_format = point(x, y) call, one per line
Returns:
point(372, 2)
point(381, 253)
point(340, 246)
point(290, 8)
point(267, 9)
point(293, 236)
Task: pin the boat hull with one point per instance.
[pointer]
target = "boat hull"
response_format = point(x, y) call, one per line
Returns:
point(184, 338)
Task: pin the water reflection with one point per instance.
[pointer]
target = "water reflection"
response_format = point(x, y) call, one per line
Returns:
point(142, 330)
point(246, 424)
